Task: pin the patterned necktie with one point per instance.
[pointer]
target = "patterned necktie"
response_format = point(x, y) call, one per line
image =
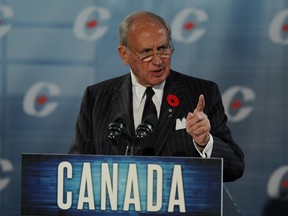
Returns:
point(149, 107)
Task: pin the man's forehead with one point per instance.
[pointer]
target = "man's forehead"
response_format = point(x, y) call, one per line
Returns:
point(147, 30)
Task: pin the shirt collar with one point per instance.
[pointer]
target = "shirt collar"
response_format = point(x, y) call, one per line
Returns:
point(139, 90)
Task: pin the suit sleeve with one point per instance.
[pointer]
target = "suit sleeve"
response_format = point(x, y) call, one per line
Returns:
point(224, 146)
point(83, 143)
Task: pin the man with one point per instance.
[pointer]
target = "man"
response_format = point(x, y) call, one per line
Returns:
point(191, 119)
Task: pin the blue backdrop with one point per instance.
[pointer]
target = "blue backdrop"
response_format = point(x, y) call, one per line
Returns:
point(51, 50)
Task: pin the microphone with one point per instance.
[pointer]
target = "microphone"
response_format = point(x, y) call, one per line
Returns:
point(118, 126)
point(146, 127)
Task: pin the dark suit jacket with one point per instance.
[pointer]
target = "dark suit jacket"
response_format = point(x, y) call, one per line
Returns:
point(103, 101)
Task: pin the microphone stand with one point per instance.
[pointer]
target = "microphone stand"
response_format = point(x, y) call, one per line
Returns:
point(129, 147)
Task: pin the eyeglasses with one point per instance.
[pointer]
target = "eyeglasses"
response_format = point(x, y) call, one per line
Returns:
point(147, 55)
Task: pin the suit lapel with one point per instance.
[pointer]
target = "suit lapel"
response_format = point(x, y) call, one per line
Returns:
point(122, 101)
point(169, 114)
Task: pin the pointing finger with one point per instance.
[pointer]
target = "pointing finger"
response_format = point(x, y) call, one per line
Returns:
point(201, 103)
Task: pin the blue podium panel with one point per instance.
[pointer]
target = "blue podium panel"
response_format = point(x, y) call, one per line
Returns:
point(108, 185)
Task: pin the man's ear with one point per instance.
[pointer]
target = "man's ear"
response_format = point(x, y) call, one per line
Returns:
point(123, 54)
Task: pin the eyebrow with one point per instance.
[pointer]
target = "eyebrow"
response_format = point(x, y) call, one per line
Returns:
point(150, 49)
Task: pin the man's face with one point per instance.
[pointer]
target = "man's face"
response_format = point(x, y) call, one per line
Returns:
point(147, 39)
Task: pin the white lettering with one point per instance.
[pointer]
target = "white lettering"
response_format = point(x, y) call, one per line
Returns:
point(109, 180)
point(86, 188)
point(60, 186)
point(154, 205)
point(107, 186)
point(132, 185)
point(177, 186)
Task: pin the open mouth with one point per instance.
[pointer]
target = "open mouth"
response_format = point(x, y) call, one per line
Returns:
point(158, 71)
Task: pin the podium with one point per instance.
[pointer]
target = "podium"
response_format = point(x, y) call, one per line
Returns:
point(57, 184)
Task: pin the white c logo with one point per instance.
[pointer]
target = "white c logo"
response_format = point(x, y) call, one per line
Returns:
point(248, 95)
point(31, 96)
point(274, 184)
point(178, 24)
point(83, 19)
point(6, 167)
point(7, 14)
point(276, 26)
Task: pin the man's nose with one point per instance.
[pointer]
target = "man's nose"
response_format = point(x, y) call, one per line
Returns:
point(157, 59)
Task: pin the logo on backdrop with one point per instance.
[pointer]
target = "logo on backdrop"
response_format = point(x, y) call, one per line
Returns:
point(233, 101)
point(278, 183)
point(37, 99)
point(278, 30)
point(188, 25)
point(5, 167)
point(90, 23)
point(6, 14)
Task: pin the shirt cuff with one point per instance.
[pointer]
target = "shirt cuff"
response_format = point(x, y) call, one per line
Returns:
point(207, 151)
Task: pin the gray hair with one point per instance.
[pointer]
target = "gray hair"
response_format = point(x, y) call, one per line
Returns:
point(127, 23)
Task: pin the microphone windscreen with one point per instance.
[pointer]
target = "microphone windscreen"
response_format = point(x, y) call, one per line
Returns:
point(118, 126)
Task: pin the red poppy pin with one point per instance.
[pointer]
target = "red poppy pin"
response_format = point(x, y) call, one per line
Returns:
point(172, 100)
